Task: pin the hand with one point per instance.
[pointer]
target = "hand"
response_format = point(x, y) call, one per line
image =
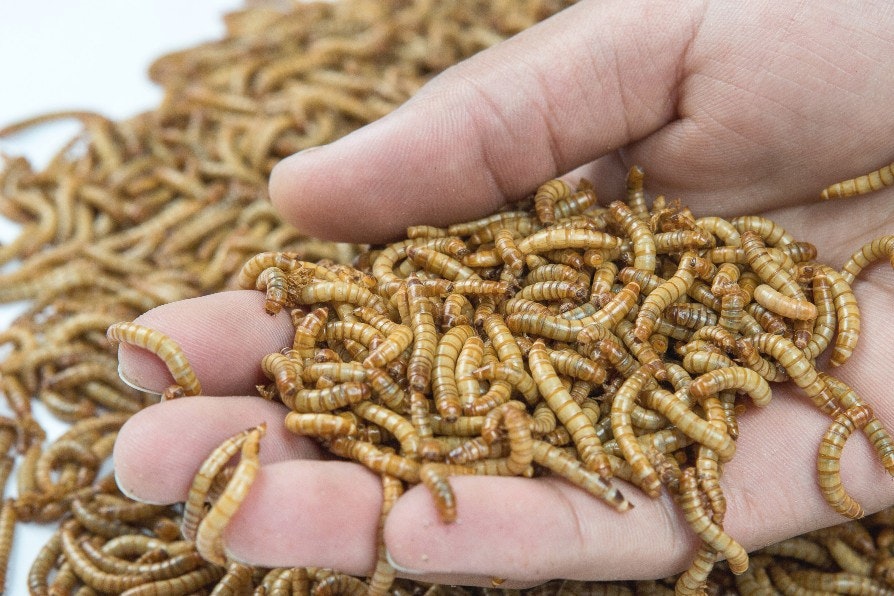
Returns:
point(720, 104)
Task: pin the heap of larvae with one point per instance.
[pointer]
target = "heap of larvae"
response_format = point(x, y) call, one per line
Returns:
point(559, 337)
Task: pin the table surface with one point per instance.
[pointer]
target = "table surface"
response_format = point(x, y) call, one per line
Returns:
point(88, 55)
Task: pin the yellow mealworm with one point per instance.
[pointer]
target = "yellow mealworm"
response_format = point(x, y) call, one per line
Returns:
point(546, 197)
point(395, 424)
point(319, 425)
point(580, 201)
point(377, 460)
point(383, 575)
point(209, 541)
point(824, 326)
point(272, 280)
point(785, 306)
point(162, 346)
point(184, 584)
point(561, 238)
point(772, 233)
point(330, 398)
point(566, 466)
point(874, 250)
point(636, 198)
point(194, 506)
point(701, 523)
point(773, 273)
point(837, 583)
point(662, 296)
point(737, 377)
point(286, 372)
point(544, 291)
point(612, 312)
point(248, 275)
point(847, 558)
point(567, 410)
point(443, 384)
point(424, 336)
point(639, 232)
point(512, 257)
point(676, 410)
point(308, 331)
point(520, 379)
point(693, 581)
point(644, 474)
point(800, 548)
point(573, 364)
point(828, 463)
point(456, 311)
point(871, 182)
point(439, 263)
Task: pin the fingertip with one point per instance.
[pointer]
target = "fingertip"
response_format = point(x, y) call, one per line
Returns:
point(224, 337)
point(160, 448)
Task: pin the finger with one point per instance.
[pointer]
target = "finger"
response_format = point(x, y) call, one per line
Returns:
point(224, 337)
point(160, 448)
point(534, 530)
point(561, 94)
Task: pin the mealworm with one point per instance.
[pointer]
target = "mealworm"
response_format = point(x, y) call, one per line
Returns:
point(308, 331)
point(184, 584)
point(874, 250)
point(644, 474)
point(693, 581)
point(194, 506)
point(560, 238)
point(162, 346)
point(737, 377)
point(785, 306)
point(564, 465)
point(286, 372)
point(636, 198)
point(383, 575)
point(838, 583)
point(705, 528)
point(802, 549)
point(424, 336)
point(639, 232)
point(664, 294)
point(828, 463)
point(439, 263)
point(567, 411)
point(546, 197)
point(873, 181)
point(319, 425)
point(330, 398)
point(580, 201)
point(772, 233)
point(209, 541)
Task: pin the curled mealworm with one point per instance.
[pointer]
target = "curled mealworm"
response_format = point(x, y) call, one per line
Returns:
point(162, 346)
point(209, 540)
point(828, 463)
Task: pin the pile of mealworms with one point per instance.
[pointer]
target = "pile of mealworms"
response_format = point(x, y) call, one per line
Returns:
point(170, 204)
point(555, 337)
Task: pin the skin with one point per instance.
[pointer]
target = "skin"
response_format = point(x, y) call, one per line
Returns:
point(732, 107)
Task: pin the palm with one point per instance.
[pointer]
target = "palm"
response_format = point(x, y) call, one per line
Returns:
point(729, 111)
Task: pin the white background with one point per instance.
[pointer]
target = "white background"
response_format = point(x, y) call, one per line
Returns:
point(88, 55)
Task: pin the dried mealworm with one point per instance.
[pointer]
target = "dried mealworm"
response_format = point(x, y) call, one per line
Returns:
point(162, 346)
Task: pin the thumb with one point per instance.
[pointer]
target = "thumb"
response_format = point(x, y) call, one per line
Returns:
point(567, 91)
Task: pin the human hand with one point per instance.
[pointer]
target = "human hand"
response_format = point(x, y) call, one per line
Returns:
point(723, 102)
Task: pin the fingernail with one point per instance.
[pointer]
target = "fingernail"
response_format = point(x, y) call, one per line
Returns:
point(400, 568)
point(130, 495)
point(133, 384)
